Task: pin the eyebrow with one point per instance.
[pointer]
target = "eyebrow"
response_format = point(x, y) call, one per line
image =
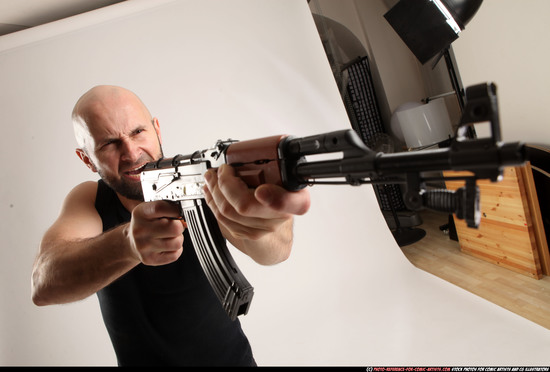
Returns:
point(108, 140)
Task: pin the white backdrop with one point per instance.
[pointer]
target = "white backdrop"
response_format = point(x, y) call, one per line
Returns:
point(209, 70)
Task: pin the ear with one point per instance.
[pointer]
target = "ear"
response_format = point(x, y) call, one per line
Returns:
point(156, 125)
point(82, 155)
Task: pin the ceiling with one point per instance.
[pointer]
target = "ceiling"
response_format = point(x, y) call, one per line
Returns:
point(16, 15)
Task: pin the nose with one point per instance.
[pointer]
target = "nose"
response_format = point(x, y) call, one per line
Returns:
point(130, 152)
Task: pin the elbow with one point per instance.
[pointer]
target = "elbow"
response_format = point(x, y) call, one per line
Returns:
point(285, 247)
point(280, 245)
point(38, 300)
point(282, 255)
point(280, 252)
point(285, 257)
point(39, 295)
point(42, 281)
point(285, 254)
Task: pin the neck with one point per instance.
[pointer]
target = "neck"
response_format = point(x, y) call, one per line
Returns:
point(129, 204)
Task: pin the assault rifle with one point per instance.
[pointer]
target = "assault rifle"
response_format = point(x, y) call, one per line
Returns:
point(290, 162)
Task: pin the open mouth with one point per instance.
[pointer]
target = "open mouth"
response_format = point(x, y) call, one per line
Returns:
point(135, 172)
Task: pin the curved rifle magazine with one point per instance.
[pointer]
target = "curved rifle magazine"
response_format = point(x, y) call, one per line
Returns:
point(231, 287)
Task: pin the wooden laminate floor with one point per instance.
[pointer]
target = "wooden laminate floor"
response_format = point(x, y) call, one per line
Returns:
point(437, 254)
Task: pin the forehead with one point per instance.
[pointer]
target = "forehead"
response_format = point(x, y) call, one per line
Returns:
point(113, 118)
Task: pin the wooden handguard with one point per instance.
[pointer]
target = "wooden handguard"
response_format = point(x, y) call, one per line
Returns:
point(256, 161)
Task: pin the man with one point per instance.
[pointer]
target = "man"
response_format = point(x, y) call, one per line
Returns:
point(156, 302)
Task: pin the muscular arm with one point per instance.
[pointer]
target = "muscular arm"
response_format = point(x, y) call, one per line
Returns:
point(76, 259)
point(258, 222)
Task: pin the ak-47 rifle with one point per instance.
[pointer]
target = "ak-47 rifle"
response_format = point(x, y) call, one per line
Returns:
point(282, 160)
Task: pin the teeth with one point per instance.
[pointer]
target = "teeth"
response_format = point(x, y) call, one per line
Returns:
point(136, 170)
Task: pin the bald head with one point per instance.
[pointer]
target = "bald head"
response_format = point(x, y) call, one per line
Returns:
point(102, 103)
point(116, 136)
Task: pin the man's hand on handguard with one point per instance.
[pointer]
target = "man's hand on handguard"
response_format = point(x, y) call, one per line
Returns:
point(257, 221)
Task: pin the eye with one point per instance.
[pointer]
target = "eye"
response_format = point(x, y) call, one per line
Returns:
point(108, 144)
point(138, 131)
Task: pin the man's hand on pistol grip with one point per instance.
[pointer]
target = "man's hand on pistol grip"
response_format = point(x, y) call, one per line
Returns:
point(156, 233)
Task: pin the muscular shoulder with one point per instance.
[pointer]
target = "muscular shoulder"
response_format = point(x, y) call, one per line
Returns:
point(78, 213)
point(84, 192)
point(81, 197)
point(87, 188)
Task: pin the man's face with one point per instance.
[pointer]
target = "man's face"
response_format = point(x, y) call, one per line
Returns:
point(121, 142)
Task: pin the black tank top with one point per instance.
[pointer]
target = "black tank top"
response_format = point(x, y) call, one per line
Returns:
point(166, 315)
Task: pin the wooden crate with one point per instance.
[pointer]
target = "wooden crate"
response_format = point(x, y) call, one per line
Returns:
point(511, 233)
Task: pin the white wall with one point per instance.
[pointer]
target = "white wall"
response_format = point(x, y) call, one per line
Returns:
point(217, 69)
point(507, 43)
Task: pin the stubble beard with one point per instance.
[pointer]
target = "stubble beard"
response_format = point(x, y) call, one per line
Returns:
point(129, 189)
